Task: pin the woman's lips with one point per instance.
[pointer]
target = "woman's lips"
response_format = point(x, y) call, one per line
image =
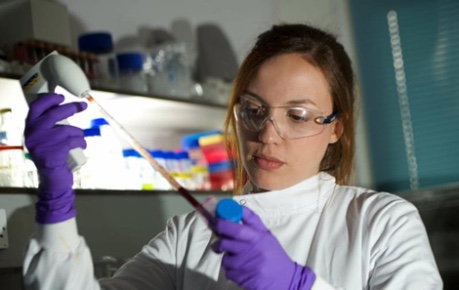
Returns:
point(267, 163)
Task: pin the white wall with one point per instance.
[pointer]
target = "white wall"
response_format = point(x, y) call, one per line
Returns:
point(241, 20)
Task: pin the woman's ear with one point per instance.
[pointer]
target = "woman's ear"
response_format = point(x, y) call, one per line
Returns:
point(338, 130)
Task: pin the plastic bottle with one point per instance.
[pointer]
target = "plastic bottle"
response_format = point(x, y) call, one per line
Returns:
point(11, 166)
point(104, 71)
point(10, 133)
point(199, 165)
point(171, 163)
point(190, 143)
point(220, 171)
point(221, 176)
point(171, 75)
point(142, 174)
point(113, 144)
point(107, 132)
point(100, 171)
point(11, 151)
point(160, 182)
point(132, 161)
point(131, 73)
point(113, 152)
point(213, 148)
point(92, 172)
point(184, 170)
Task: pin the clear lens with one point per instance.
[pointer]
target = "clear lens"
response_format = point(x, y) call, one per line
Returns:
point(290, 122)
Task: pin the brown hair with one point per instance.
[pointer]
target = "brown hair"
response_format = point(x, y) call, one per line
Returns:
point(322, 50)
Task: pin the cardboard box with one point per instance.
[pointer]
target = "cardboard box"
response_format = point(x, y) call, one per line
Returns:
point(34, 20)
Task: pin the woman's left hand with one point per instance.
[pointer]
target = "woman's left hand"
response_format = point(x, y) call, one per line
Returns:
point(254, 259)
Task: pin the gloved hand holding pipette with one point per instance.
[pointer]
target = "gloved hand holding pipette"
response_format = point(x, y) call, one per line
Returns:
point(49, 145)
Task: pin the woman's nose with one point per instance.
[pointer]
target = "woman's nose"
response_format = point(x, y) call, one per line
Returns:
point(269, 131)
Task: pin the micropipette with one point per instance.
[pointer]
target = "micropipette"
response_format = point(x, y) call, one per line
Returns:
point(57, 70)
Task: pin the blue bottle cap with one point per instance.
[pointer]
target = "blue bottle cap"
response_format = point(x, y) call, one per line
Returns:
point(191, 141)
point(96, 42)
point(228, 209)
point(130, 61)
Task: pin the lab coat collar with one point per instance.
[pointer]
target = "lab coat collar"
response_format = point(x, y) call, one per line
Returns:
point(309, 194)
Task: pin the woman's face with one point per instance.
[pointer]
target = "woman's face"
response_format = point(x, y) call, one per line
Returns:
point(273, 162)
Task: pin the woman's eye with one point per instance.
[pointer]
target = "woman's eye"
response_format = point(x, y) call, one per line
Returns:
point(254, 110)
point(298, 115)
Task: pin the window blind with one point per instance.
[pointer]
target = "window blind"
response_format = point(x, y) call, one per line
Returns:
point(409, 74)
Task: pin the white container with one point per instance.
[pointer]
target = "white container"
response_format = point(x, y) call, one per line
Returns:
point(140, 174)
point(100, 171)
point(11, 166)
point(170, 74)
point(10, 132)
point(104, 71)
point(111, 140)
point(131, 74)
point(133, 179)
point(11, 151)
point(160, 182)
point(34, 19)
point(185, 175)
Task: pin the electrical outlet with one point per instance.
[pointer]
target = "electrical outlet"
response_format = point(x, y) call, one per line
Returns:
point(3, 231)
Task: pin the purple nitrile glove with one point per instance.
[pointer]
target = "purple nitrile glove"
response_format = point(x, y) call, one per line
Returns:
point(254, 259)
point(49, 145)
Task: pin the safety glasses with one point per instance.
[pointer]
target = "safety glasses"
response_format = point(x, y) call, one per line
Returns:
point(289, 122)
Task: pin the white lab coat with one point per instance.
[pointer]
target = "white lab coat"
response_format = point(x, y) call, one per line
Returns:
point(351, 237)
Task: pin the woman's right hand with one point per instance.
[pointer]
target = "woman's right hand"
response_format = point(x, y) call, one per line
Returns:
point(49, 144)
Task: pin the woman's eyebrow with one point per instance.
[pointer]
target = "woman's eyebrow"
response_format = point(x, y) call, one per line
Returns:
point(291, 102)
point(247, 92)
point(301, 102)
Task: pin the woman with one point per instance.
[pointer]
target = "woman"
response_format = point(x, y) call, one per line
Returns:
point(290, 123)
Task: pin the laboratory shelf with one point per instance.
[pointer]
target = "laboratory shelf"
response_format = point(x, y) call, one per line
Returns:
point(111, 192)
point(146, 117)
point(193, 100)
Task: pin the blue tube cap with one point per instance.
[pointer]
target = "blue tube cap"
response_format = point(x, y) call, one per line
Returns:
point(228, 209)
point(91, 132)
point(95, 123)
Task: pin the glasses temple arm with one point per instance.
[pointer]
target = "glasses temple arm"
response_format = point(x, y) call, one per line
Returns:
point(329, 119)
